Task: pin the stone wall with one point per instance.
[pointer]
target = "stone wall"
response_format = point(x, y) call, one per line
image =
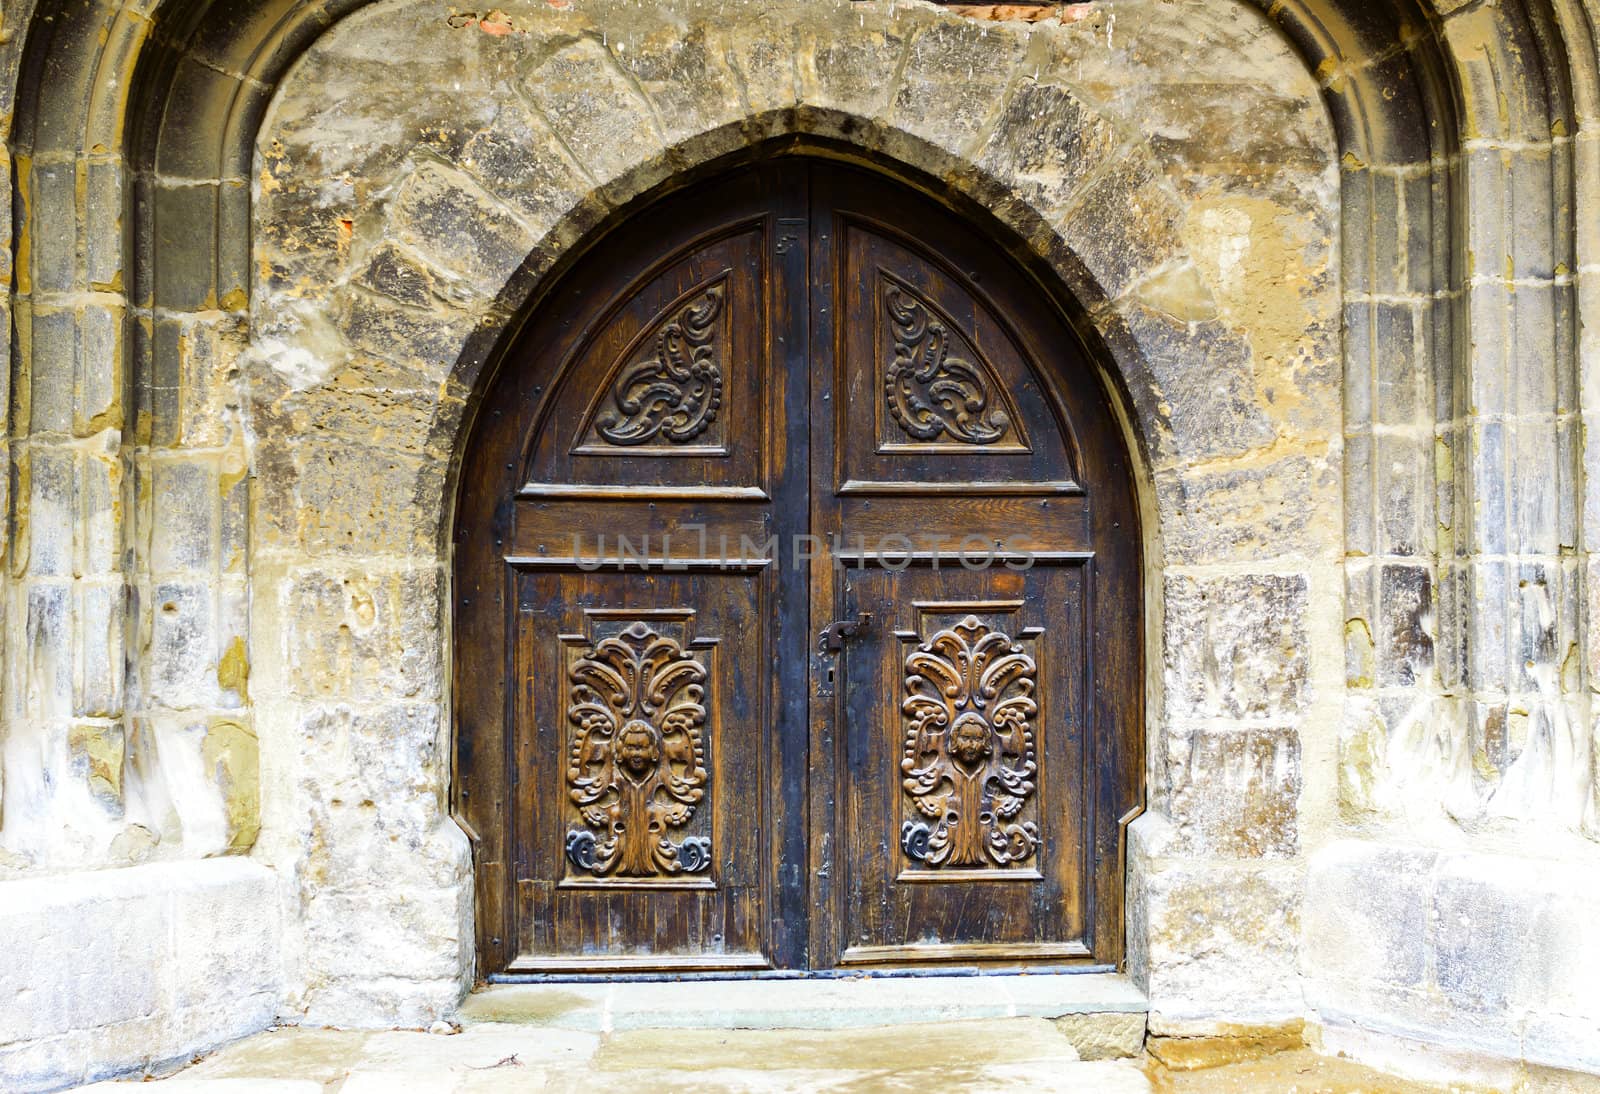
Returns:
point(1192, 207)
point(1338, 256)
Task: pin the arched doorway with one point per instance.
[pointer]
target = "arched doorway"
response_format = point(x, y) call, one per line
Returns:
point(797, 600)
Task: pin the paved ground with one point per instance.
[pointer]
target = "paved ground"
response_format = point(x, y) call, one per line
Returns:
point(1014, 1054)
point(931, 1035)
point(1005, 1054)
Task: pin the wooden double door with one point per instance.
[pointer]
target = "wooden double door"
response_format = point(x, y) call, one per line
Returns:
point(797, 617)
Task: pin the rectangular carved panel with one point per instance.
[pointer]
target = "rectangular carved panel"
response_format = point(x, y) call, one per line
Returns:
point(969, 768)
point(636, 755)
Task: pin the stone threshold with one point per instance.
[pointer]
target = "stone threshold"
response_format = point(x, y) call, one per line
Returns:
point(1086, 999)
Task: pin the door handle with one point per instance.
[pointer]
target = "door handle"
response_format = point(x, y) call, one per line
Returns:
point(832, 638)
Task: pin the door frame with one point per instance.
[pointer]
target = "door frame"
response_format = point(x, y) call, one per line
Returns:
point(1048, 289)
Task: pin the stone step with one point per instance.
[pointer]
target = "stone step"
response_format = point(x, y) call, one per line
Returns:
point(1105, 1006)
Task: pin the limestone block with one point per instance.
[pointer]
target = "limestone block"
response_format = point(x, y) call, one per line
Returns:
point(396, 272)
point(1402, 631)
point(1473, 952)
point(48, 669)
point(355, 499)
point(384, 931)
point(183, 645)
point(447, 216)
point(207, 363)
point(1260, 510)
point(208, 815)
point(759, 46)
point(101, 618)
point(1236, 646)
point(676, 63)
point(1211, 937)
point(1204, 403)
point(398, 346)
point(120, 969)
point(1235, 792)
point(51, 480)
point(98, 494)
point(518, 159)
point(956, 75)
point(853, 73)
point(1126, 223)
point(184, 532)
point(364, 635)
point(1366, 912)
point(594, 108)
point(1046, 143)
point(1104, 1036)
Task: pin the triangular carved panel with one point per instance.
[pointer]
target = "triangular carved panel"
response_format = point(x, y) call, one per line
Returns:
point(939, 392)
point(663, 397)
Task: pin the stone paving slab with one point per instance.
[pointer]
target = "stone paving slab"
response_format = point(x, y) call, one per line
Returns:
point(952, 1045)
point(214, 1086)
point(1021, 1054)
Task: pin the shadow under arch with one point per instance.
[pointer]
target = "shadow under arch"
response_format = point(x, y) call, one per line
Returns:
point(473, 514)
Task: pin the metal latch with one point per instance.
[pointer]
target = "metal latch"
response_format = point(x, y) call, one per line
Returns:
point(833, 636)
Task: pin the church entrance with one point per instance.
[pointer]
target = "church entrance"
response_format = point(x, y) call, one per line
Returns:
point(797, 601)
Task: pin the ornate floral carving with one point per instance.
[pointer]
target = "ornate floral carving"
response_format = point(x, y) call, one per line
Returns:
point(637, 766)
point(930, 392)
point(969, 761)
point(673, 393)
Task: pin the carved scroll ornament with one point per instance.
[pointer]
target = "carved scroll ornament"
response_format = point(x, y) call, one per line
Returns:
point(637, 766)
point(672, 393)
point(930, 391)
point(969, 761)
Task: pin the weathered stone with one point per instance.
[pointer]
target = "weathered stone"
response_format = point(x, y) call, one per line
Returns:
point(1046, 143)
point(445, 215)
point(1104, 1036)
point(954, 79)
point(1231, 1046)
point(595, 109)
point(361, 634)
point(1125, 223)
point(1236, 646)
point(1236, 792)
point(1249, 511)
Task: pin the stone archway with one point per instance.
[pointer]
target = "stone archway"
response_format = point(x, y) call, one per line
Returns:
point(389, 277)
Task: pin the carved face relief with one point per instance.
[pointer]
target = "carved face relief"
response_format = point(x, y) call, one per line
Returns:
point(637, 749)
point(969, 740)
point(637, 767)
point(969, 756)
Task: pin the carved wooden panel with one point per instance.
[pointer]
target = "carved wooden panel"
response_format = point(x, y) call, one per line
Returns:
point(969, 765)
point(939, 389)
point(664, 394)
point(636, 764)
point(940, 392)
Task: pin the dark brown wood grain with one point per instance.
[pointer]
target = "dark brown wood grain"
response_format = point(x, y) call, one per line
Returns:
point(659, 768)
